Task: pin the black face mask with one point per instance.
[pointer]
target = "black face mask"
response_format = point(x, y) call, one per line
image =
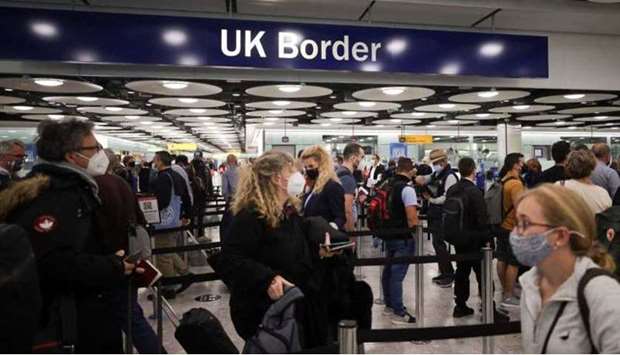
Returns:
point(132, 164)
point(312, 174)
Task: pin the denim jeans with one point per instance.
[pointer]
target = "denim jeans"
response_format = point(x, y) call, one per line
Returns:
point(143, 336)
point(393, 275)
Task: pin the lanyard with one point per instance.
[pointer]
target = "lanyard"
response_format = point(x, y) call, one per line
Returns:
point(555, 321)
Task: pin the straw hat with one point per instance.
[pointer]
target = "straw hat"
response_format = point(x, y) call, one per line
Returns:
point(437, 155)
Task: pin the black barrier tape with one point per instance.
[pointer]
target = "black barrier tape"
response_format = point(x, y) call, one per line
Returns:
point(192, 278)
point(155, 232)
point(437, 333)
point(159, 251)
point(426, 259)
point(385, 232)
point(326, 349)
point(213, 213)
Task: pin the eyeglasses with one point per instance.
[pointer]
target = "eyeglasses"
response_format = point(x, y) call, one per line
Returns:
point(524, 224)
point(97, 147)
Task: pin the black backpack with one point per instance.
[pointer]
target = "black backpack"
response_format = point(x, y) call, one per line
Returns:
point(200, 332)
point(452, 218)
point(584, 309)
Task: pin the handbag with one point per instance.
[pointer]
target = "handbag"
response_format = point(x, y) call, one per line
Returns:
point(170, 217)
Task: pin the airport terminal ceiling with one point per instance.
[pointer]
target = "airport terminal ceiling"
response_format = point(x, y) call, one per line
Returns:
point(217, 112)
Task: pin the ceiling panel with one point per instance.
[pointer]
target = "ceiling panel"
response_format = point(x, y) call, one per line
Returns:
point(323, 9)
point(182, 5)
point(421, 14)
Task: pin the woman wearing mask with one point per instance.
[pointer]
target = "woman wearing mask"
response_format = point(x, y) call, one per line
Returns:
point(268, 251)
point(325, 197)
point(554, 233)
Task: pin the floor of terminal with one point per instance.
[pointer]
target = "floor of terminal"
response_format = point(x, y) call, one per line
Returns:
point(438, 306)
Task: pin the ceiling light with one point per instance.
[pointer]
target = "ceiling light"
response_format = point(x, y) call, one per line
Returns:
point(236, 94)
point(574, 96)
point(269, 123)
point(48, 82)
point(7, 89)
point(367, 103)
point(417, 114)
point(348, 113)
point(488, 94)
point(572, 127)
point(559, 123)
point(483, 115)
point(23, 108)
point(380, 126)
point(447, 105)
point(175, 85)
point(396, 120)
point(56, 117)
point(521, 107)
point(132, 117)
point(336, 119)
point(396, 90)
point(332, 97)
point(281, 103)
point(146, 122)
point(114, 109)
point(453, 121)
point(188, 100)
point(600, 117)
point(276, 112)
point(203, 118)
point(197, 110)
point(208, 124)
point(87, 98)
point(272, 119)
point(325, 124)
point(289, 88)
point(431, 126)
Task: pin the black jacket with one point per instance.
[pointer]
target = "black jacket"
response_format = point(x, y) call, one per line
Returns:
point(329, 204)
point(474, 213)
point(162, 188)
point(253, 254)
point(56, 206)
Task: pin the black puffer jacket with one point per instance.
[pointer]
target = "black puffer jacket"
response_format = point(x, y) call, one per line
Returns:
point(56, 206)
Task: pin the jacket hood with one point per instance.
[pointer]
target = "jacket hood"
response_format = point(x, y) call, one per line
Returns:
point(21, 193)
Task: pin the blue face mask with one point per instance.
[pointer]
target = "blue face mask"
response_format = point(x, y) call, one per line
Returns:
point(437, 168)
point(530, 250)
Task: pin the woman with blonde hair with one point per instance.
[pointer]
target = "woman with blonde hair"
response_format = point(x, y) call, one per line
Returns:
point(267, 249)
point(555, 233)
point(326, 196)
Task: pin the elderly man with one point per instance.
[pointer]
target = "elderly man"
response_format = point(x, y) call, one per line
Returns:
point(12, 154)
point(603, 175)
point(55, 204)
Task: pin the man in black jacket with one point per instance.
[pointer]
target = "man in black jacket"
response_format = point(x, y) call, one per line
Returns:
point(169, 187)
point(475, 229)
point(55, 205)
point(12, 154)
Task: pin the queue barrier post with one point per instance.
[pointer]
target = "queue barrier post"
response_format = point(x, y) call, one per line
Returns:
point(347, 337)
point(419, 277)
point(487, 297)
point(158, 314)
point(381, 300)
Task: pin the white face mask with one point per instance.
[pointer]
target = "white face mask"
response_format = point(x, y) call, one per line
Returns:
point(97, 164)
point(296, 183)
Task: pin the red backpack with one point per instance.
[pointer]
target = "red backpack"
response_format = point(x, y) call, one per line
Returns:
point(379, 206)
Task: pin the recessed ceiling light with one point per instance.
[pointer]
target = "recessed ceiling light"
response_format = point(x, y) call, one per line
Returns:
point(483, 115)
point(208, 124)
point(236, 94)
point(197, 110)
point(269, 123)
point(7, 89)
point(574, 96)
point(453, 121)
point(336, 119)
point(175, 85)
point(348, 113)
point(281, 103)
point(114, 109)
point(521, 107)
point(56, 117)
point(48, 82)
point(447, 105)
point(431, 126)
point(204, 118)
point(146, 122)
point(380, 126)
point(325, 124)
point(289, 88)
point(418, 114)
point(276, 112)
point(132, 117)
point(87, 98)
point(272, 119)
point(600, 117)
point(395, 120)
point(367, 103)
point(392, 91)
point(572, 127)
point(187, 100)
point(23, 108)
point(559, 123)
point(488, 94)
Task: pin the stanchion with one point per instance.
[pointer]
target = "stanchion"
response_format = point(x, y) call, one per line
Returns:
point(419, 277)
point(380, 300)
point(160, 326)
point(128, 332)
point(487, 297)
point(347, 337)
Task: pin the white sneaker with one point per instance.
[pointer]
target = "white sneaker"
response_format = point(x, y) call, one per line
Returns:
point(405, 319)
point(387, 311)
point(510, 302)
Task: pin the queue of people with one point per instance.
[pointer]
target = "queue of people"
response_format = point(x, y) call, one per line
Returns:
point(283, 218)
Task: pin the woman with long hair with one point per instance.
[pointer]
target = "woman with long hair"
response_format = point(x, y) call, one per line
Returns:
point(555, 233)
point(267, 249)
point(325, 197)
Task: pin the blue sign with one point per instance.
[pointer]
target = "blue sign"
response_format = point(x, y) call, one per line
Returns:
point(96, 37)
point(398, 150)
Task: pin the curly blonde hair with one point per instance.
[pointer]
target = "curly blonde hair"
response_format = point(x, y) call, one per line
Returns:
point(257, 190)
point(326, 166)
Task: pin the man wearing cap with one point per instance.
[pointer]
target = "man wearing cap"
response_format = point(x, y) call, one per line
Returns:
point(437, 184)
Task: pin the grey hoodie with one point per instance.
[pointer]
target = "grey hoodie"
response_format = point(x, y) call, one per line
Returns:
point(569, 335)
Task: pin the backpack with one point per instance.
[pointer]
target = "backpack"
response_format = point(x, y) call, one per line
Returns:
point(378, 212)
point(200, 332)
point(584, 309)
point(278, 333)
point(452, 219)
point(494, 200)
